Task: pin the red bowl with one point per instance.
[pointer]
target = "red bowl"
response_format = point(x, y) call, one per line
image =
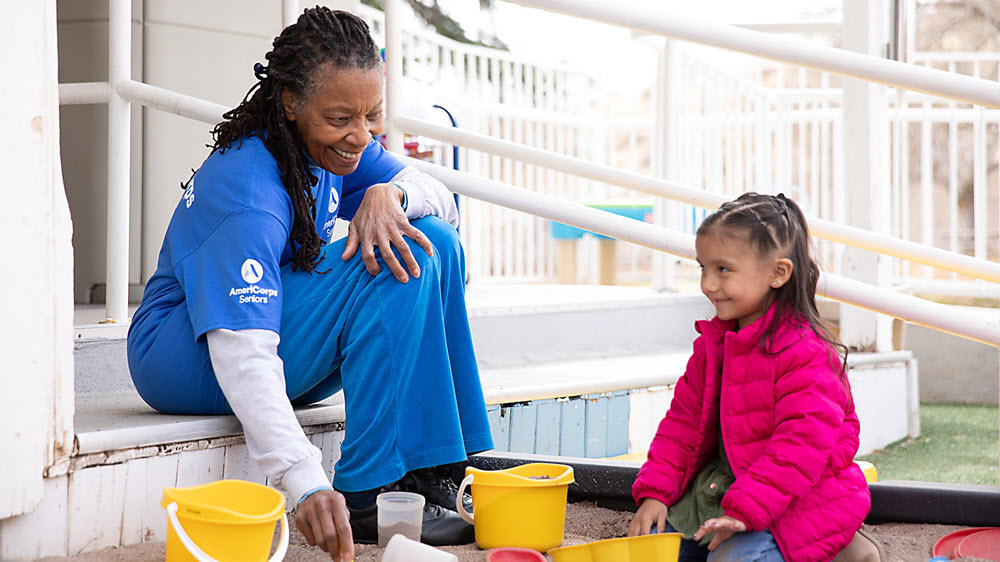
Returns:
point(981, 544)
point(512, 554)
point(945, 546)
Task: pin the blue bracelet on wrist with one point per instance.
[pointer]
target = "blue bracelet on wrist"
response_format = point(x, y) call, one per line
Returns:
point(311, 492)
point(405, 198)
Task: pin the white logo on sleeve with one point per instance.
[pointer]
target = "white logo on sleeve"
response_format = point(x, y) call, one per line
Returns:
point(252, 271)
point(333, 200)
point(189, 194)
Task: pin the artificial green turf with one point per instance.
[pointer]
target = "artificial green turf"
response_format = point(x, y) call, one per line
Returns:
point(958, 444)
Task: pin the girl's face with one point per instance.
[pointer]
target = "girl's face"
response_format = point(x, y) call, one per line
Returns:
point(336, 122)
point(735, 278)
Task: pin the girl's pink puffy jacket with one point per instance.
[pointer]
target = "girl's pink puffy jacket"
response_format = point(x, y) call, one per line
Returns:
point(790, 434)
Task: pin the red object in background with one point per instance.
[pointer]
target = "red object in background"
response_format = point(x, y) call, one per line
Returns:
point(946, 545)
point(513, 554)
point(981, 544)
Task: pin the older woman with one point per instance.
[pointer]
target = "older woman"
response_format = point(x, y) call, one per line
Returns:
point(251, 312)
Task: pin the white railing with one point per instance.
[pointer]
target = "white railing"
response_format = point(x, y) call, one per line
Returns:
point(764, 127)
point(959, 182)
point(835, 232)
point(790, 131)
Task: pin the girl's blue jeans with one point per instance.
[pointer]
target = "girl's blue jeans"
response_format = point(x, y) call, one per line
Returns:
point(756, 546)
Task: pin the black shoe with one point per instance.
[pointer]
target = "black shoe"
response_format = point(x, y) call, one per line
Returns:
point(440, 527)
point(443, 528)
point(435, 485)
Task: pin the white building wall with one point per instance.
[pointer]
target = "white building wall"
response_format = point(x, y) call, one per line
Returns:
point(36, 346)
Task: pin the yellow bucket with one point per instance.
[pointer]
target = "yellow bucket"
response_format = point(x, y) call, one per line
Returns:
point(663, 547)
point(524, 506)
point(224, 521)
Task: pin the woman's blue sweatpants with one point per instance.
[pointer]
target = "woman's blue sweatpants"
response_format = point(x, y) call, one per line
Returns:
point(402, 352)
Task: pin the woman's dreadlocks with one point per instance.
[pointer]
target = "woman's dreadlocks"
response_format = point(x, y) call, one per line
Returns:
point(319, 38)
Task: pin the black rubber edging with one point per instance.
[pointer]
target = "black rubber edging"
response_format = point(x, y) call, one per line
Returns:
point(609, 484)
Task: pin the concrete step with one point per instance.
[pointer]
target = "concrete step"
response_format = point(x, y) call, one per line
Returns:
point(115, 417)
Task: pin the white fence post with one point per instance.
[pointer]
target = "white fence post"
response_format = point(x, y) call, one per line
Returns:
point(290, 11)
point(393, 74)
point(119, 139)
point(866, 173)
point(666, 150)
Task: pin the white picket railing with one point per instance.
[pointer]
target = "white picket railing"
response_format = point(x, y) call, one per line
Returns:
point(943, 155)
point(770, 127)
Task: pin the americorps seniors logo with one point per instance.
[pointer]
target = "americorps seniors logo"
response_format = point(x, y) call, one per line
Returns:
point(334, 201)
point(252, 271)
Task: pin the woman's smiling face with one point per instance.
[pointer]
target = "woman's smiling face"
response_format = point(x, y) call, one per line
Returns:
point(339, 118)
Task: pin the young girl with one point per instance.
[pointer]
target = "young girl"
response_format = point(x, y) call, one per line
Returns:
point(755, 457)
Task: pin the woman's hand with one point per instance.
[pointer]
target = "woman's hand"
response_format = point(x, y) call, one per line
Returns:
point(651, 512)
point(380, 222)
point(324, 520)
point(723, 527)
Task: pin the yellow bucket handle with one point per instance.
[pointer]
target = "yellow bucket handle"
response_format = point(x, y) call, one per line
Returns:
point(469, 518)
point(200, 554)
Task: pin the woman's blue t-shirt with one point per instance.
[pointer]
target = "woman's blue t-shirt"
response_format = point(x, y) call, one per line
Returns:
point(229, 237)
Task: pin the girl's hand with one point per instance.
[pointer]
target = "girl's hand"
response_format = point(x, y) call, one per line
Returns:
point(323, 520)
point(380, 222)
point(651, 512)
point(723, 527)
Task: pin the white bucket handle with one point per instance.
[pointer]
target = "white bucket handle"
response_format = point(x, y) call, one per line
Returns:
point(469, 518)
point(200, 554)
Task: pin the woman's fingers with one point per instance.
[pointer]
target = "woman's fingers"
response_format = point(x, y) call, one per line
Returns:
point(414, 234)
point(368, 255)
point(353, 242)
point(406, 254)
point(380, 223)
point(385, 238)
point(385, 244)
point(324, 521)
point(342, 519)
point(305, 527)
point(331, 542)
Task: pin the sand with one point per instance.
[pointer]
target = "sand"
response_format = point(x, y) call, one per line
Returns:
point(584, 523)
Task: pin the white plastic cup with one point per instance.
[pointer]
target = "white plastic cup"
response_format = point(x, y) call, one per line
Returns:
point(402, 549)
point(399, 513)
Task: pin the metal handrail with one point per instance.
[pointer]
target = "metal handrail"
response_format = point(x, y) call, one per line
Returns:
point(877, 299)
point(860, 238)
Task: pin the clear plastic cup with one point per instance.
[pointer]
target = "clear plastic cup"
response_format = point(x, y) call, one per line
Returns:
point(402, 549)
point(399, 513)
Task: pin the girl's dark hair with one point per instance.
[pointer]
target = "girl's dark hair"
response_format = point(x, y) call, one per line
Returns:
point(319, 38)
point(775, 225)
